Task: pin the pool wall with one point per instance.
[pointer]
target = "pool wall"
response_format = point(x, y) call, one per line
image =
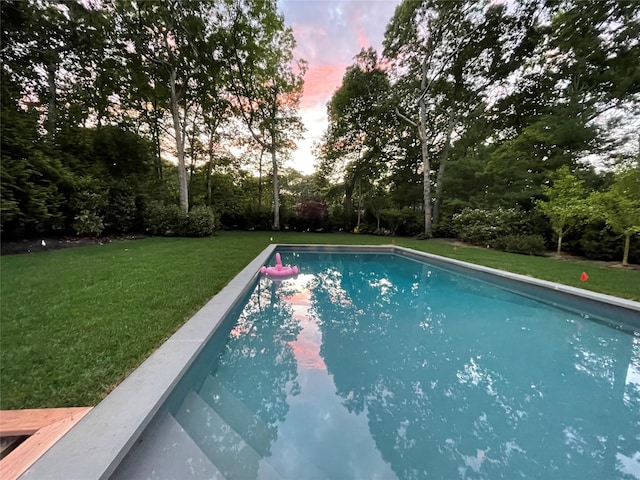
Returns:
point(99, 442)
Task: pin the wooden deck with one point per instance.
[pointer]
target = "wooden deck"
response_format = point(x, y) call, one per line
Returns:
point(44, 428)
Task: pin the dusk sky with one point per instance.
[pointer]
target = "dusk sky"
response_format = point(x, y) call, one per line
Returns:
point(329, 33)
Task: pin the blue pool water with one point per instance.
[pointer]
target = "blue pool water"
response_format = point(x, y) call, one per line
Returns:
point(376, 366)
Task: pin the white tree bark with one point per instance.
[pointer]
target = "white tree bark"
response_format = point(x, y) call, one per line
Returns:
point(177, 127)
point(426, 162)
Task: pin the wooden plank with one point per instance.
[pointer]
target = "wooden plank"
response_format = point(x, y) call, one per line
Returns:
point(18, 461)
point(27, 422)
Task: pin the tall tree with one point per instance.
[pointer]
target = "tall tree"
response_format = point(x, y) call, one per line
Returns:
point(360, 126)
point(446, 55)
point(565, 204)
point(265, 80)
point(178, 39)
point(619, 206)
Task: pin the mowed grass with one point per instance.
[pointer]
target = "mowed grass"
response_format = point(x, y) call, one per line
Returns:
point(75, 322)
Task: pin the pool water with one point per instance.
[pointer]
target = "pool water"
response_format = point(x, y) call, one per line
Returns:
point(378, 366)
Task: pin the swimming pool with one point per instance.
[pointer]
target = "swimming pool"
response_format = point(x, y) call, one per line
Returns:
point(375, 364)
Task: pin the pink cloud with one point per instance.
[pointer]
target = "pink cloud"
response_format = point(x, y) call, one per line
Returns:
point(307, 354)
point(329, 33)
point(320, 82)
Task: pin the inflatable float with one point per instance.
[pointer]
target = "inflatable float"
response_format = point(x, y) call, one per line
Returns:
point(279, 270)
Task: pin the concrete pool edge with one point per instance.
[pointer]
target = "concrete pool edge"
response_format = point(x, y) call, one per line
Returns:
point(95, 446)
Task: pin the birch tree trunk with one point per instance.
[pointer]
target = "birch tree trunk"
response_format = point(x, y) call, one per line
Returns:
point(175, 114)
point(276, 187)
point(426, 164)
point(443, 163)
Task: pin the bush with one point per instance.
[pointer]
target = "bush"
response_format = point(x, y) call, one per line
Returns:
point(87, 201)
point(164, 220)
point(88, 224)
point(596, 241)
point(483, 227)
point(311, 214)
point(200, 222)
point(527, 244)
point(337, 218)
point(444, 229)
point(120, 215)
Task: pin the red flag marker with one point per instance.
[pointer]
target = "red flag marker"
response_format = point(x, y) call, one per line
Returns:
point(584, 277)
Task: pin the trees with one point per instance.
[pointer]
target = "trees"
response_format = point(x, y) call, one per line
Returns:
point(566, 203)
point(619, 206)
point(265, 80)
point(447, 57)
point(175, 41)
point(361, 126)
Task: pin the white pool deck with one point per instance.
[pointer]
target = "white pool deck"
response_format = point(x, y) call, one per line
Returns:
point(98, 443)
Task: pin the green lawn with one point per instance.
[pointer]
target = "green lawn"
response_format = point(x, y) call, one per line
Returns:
point(75, 322)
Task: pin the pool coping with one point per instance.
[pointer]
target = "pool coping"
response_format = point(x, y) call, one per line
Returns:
point(97, 444)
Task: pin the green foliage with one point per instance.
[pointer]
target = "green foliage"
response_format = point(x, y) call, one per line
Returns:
point(89, 194)
point(121, 214)
point(200, 222)
point(164, 220)
point(527, 244)
point(87, 201)
point(395, 218)
point(566, 205)
point(596, 241)
point(88, 224)
point(170, 220)
point(484, 227)
point(122, 154)
point(619, 205)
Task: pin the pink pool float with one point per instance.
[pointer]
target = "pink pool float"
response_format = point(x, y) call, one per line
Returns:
point(279, 270)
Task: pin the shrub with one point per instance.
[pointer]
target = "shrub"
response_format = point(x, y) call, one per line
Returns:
point(121, 213)
point(395, 219)
point(527, 244)
point(88, 224)
point(444, 229)
point(311, 214)
point(164, 220)
point(337, 218)
point(88, 199)
point(200, 222)
point(483, 227)
point(88, 195)
point(597, 242)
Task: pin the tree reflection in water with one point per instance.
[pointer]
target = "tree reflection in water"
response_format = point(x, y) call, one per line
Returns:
point(258, 365)
point(461, 380)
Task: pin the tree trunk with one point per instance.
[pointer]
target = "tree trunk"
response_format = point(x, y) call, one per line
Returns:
point(260, 180)
point(443, 162)
point(175, 114)
point(359, 206)
point(426, 164)
point(276, 187)
point(348, 204)
point(209, 168)
point(625, 256)
point(156, 137)
point(209, 186)
point(559, 250)
point(52, 113)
